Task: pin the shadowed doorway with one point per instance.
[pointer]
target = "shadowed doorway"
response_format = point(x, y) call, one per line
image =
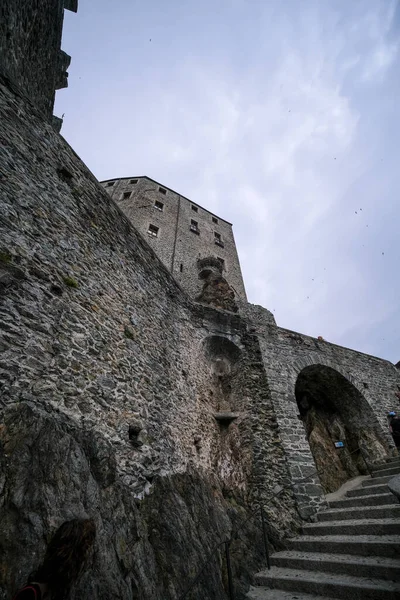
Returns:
point(334, 411)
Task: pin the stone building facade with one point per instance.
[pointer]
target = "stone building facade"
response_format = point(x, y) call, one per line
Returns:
point(165, 411)
point(182, 233)
point(337, 385)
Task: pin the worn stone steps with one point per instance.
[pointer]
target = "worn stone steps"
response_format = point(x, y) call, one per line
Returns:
point(329, 584)
point(348, 564)
point(380, 488)
point(354, 527)
point(392, 465)
point(391, 511)
point(365, 500)
point(361, 545)
point(393, 459)
point(383, 472)
point(352, 551)
point(263, 593)
point(376, 480)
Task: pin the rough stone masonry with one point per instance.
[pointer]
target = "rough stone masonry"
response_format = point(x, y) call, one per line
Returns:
point(122, 398)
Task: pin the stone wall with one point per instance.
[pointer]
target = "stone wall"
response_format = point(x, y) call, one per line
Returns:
point(30, 55)
point(108, 390)
point(177, 245)
point(286, 354)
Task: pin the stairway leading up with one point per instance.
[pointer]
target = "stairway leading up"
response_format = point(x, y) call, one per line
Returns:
point(352, 551)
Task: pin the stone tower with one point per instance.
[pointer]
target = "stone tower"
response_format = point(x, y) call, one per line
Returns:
point(196, 246)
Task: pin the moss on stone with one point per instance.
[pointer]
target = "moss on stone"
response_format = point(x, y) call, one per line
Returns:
point(129, 333)
point(70, 281)
point(5, 257)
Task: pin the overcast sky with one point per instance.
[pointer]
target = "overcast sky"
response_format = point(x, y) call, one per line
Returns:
point(281, 116)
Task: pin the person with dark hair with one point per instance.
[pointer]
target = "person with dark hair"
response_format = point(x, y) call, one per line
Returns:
point(66, 556)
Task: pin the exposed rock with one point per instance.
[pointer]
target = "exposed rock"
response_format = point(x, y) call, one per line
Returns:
point(394, 486)
point(53, 470)
point(217, 292)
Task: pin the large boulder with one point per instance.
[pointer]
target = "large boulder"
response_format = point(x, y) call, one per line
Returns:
point(394, 485)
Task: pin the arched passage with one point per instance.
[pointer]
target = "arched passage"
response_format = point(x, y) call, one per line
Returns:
point(334, 410)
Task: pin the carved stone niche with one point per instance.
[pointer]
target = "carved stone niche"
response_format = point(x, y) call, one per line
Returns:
point(222, 355)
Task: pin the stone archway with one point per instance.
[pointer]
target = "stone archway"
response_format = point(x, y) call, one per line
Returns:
point(334, 410)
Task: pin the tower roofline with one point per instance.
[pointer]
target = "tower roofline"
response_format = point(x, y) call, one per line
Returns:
point(171, 190)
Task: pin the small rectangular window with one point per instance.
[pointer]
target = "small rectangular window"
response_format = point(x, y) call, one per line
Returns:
point(195, 208)
point(194, 226)
point(162, 191)
point(133, 181)
point(159, 205)
point(214, 220)
point(181, 268)
point(153, 230)
point(126, 195)
point(110, 183)
point(221, 260)
point(218, 239)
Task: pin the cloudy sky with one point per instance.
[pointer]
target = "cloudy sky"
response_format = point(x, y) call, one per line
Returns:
point(282, 116)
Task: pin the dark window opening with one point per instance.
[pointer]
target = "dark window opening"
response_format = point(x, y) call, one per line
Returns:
point(221, 260)
point(162, 191)
point(181, 268)
point(153, 230)
point(110, 183)
point(195, 208)
point(218, 239)
point(214, 220)
point(158, 205)
point(126, 195)
point(133, 181)
point(194, 226)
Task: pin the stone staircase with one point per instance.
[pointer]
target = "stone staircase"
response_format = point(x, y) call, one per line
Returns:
point(352, 551)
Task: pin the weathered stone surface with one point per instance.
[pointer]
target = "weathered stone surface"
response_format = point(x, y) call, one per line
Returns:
point(394, 486)
point(179, 246)
point(30, 55)
point(368, 383)
point(98, 337)
point(111, 376)
point(53, 470)
point(217, 292)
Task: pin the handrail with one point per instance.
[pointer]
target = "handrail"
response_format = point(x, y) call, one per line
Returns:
point(235, 531)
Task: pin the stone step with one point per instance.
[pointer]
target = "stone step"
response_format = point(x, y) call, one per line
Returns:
point(329, 584)
point(376, 480)
point(263, 593)
point(392, 511)
point(361, 545)
point(393, 459)
point(354, 527)
point(365, 500)
point(381, 488)
point(383, 472)
point(347, 564)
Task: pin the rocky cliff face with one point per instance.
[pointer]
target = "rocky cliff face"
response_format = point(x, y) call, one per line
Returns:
point(109, 393)
point(52, 470)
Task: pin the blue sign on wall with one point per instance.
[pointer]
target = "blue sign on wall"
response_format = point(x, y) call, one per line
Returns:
point(339, 444)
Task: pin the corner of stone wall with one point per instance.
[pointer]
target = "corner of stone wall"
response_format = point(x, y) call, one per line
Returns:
point(257, 316)
point(71, 5)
